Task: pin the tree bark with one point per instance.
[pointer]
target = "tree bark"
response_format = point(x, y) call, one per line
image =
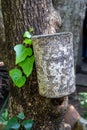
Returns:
point(19, 16)
point(72, 13)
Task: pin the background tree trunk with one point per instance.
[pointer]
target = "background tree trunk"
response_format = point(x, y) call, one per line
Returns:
point(19, 16)
point(72, 13)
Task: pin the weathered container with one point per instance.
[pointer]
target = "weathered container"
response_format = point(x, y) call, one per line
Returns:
point(54, 64)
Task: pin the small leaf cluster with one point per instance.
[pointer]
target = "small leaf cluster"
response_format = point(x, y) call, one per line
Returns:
point(24, 60)
point(17, 122)
point(83, 102)
point(4, 117)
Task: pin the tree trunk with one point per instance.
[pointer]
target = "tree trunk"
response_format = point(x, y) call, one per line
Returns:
point(20, 15)
point(2, 34)
point(72, 13)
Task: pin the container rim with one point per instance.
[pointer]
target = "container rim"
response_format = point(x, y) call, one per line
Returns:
point(49, 35)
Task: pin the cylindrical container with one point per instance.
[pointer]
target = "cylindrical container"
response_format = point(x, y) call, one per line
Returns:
point(54, 64)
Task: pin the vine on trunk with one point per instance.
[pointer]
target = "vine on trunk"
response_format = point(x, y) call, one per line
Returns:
point(24, 60)
point(15, 123)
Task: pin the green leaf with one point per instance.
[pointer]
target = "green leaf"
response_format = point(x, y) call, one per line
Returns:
point(29, 51)
point(5, 114)
point(27, 65)
point(85, 105)
point(85, 115)
point(27, 34)
point(83, 94)
point(2, 119)
point(27, 124)
point(22, 52)
point(28, 41)
point(21, 116)
point(13, 124)
point(17, 78)
point(5, 123)
point(82, 103)
point(31, 30)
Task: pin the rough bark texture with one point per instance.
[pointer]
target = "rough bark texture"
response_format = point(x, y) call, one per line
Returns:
point(19, 15)
point(2, 34)
point(72, 13)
